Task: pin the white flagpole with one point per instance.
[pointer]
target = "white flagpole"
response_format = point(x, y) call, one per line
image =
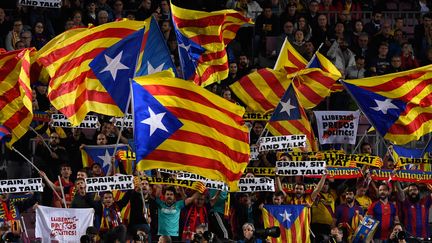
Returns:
point(43, 141)
point(62, 191)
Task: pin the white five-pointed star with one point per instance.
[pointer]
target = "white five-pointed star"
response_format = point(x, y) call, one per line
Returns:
point(114, 65)
point(151, 69)
point(286, 216)
point(155, 121)
point(384, 106)
point(106, 159)
point(287, 107)
point(182, 45)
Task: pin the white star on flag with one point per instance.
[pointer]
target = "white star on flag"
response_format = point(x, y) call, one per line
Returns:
point(287, 107)
point(384, 106)
point(155, 121)
point(151, 69)
point(106, 158)
point(114, 65)
point(186, 47)
point(286, 216)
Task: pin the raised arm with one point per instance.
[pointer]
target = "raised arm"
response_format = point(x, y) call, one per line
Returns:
point(319, 187)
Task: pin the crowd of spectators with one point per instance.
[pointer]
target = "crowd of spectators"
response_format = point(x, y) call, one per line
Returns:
point(358, 46)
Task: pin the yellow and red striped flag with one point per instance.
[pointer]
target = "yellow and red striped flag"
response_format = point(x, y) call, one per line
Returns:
point(74, 89)
point(292, 220)
point(182, 126)
point(16, 108)
point(202, 38)
point(398, 105)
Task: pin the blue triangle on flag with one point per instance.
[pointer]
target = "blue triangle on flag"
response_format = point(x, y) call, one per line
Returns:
point(285, 214)
point(288, 107)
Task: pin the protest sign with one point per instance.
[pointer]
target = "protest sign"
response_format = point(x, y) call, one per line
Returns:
point(60, 120)
point(289, 187)
point(256, 184)
point(219, 185)
point(127, 122)
point(281, 142)
point(260, 171)
point(341, 173)
point(171, 172)
point(256, 116)
point(403, 161)
point(195, 185)
point(253, 152)
point(337, 126)
point(300, 168)
point(62, 224)
point(41, 3)
point(109, 183)
point(21, 185)
point(413, 176)
point(41, 116)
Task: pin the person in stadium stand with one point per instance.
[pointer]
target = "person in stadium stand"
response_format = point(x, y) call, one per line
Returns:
point(414, 209)
point(348, 211)
point(385, 212)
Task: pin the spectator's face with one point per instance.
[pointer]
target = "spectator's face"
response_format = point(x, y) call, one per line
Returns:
point(97, 170)
point(313, 7)
point(292, 9)
point(82, 175)
point(399, 24)
point(383, 192)
point(406, 49)
point(91, 7)
point(165, 26)
point(147, 4)
point(102, 18)
point(2, 14)
point(248, 232)
point(80, 185)
point(326, 187)
point(18, 26)
point(227, 95)
point(69, 25)
point(301, 23)
point(54, 139)
point(267, 12)
point(427, 22)
point(108, 200)
point(349, 197)
point(258, 128)
point(244, 61)
point(76, 131)
point(245, 200)
point(39, 28)
point(397, 229)
point(339, 28)
point(118, 6)
point(383, 50)
point(77, 19)
point(277, 200)
point(233, 68)
point(169, 197)
point(309, 47)
point(66, 172)
point(327, 2)
point(377, 18)
point(42, 89)
point(361, 191)
point(360, 63)
point(200, 201)
point(366, 149)
point(386, 28)
point(363, 41)
point(322, 21)
point(101, 139)
point(26, 38)
point(358, 26)
point(398, 35)
point(413, 193)
point(288, 28)
point(396, 62)
point(299, 191)
point(299, 37)
point(165, 6)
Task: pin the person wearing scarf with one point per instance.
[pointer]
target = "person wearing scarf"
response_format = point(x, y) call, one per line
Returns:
point(10, 210)
point(195, 215)
point(111, 224)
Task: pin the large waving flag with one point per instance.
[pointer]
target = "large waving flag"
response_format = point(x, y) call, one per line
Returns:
point(398, 105)
point(202, 38)
point(100, 154)
point(16, 109)
point(140, 53)
point(289, 118)
point(293, 221)
point(181, 126)
point(74, 90)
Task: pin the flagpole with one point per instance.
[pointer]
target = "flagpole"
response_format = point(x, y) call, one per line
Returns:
point(62, 191)
point(120, 132)
point(36, 168)
point(43, 141)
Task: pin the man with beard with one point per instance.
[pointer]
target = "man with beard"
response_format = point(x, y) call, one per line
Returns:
point(415, 210)
point(385, 212)
point(349, 212)
point(300, 197)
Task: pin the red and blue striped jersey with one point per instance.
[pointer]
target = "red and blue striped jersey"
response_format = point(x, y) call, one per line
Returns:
point(345, 214)
point(415, 216)
point(385, 213)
